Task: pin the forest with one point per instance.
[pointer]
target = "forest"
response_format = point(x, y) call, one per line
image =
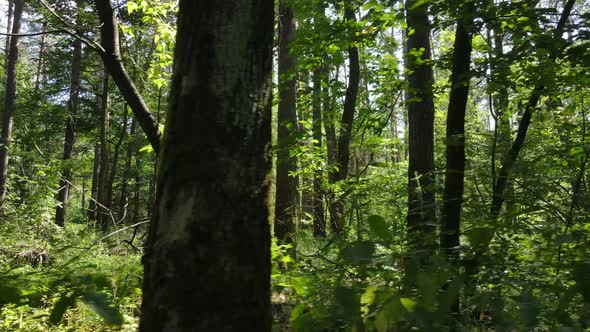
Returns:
point(295, 165)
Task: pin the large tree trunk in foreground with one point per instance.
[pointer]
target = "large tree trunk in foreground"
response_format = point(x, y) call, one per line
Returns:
point(111, 56)
point(421, 221)
point(9, 101)
point(207, 262)
point(287, 196)
point(66, 177)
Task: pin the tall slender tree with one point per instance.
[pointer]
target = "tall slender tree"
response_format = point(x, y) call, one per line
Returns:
point(207, 262)
point(287, 196)
point(9, 100)
point(345, 135)
point(66, 176)
point(421, 221)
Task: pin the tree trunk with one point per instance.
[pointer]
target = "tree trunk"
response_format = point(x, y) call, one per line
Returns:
point(40, 60)
point(9, 18)
point(450, 229)
point(287, 196)
point(9, 101)
point(123, 199)
point(104, 213)
point(207, 262)
point(319, 222)
point(94, 186)
point(345, 135)
point(455, 136)
point(421, 222)
point(111, 56)
point(116, 152)
point(66, 177)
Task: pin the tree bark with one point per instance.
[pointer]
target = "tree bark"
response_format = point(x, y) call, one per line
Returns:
point(287, 196)
point(345, 135)
point(111, 56)
point(319, 222)
point(450, 228)
point(207, 263)
point(455, 136)
point(421, 222)
point(9, 101)
point(9, 18)
point(104, 214)
point(123, 199)
point(66, 177)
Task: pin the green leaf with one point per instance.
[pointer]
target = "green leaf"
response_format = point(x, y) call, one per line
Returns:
point(379, 227)
point(408, 303)
point(61, 306)
point(131, 7)
point(103, 306)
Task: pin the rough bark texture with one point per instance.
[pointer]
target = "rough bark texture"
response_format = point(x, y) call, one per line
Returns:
point(287, 196)
point(111, 56)
point(319, 222)
point(9, 18)
point(421, 210)
point(66, 177)
point(345, 135)
point(9, 101)
point(455, 136)
point(207, 263)
point(103, 215)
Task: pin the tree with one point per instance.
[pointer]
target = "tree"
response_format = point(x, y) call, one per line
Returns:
point(111, 55)
point(421, 210)
point(345, 136)
point(287, 196)
point(211, 207)
point(450, 227)
point(9, 100)
point(66, 177)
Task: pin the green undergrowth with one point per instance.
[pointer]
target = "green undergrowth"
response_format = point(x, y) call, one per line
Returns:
point(68, 279)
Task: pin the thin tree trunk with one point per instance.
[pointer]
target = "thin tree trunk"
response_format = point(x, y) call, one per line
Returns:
point(94, 186)
point(123, 199)
point(103, 179)
point(213, 181)
point(345, 135)
point(116, 152)
point(319, 223)
point(66, 177)
point(421, 222)
point(9, 28)
point(40, 60)
point(287, 195)
point(472, 265)
point(9, 101)
point(109, 37)
point(450, 229)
